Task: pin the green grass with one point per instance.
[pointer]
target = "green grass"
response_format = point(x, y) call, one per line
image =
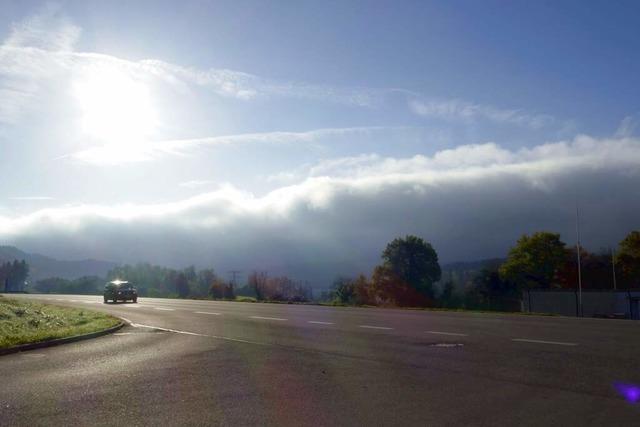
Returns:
point(23, 322)
point(245, 299)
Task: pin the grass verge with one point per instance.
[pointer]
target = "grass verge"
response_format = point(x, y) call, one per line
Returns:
point(23, 322)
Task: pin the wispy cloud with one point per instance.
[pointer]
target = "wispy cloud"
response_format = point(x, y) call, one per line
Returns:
point(197, 183)
point(113, 154)
point(49, 30)
point(460, 110)
point(31, 198)
point(41, 48)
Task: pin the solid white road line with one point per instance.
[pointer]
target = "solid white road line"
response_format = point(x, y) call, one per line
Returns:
point(138, 325)
point(543, 342)
point(207, 312)
point(164, 309)
point(267, 318)
point(316, 322)
point(374, 327)
point(455, 334)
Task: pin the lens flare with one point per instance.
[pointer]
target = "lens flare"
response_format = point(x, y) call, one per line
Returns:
point(630, 392)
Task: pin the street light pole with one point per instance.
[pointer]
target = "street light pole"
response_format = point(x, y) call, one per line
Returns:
point(613, 269)
point(579, 266)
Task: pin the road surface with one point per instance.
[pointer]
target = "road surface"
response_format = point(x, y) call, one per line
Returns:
point(185, 362)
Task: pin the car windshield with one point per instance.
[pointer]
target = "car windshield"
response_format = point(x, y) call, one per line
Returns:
point(119, 285)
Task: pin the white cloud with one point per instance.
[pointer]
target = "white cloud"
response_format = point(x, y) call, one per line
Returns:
point(197, 183)
point(108, 155)
point(460, 110)
point(32, 198)
point(48, 30)
point(471, 201)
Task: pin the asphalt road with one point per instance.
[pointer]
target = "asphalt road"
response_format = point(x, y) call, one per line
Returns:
point(188, 362)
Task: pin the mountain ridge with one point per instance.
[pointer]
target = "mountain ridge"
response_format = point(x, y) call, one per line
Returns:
point(42, 266)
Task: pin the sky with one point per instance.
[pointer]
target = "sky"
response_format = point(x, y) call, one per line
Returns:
point(300, 137)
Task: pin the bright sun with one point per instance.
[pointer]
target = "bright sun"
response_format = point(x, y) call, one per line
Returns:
point(115, 108)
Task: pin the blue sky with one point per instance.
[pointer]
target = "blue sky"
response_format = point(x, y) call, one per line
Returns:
point(201, 120)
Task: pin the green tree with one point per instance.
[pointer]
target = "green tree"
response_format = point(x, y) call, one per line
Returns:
point(13, 275)
point(344, 291)
point(628, 259)
point(414, 261)
point(535, 260)
point(447, 297)
point(182, 285)
point(493, 292)
point(220, 289)
point(205, 279)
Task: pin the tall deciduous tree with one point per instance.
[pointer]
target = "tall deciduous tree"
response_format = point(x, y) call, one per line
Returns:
point(410, 268)
point(535, 260)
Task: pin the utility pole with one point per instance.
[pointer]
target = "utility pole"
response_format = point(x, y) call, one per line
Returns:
point(579, 266)
point(234, 274)
point(613, 269)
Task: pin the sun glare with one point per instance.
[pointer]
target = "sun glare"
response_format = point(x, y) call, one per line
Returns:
point(115, 108)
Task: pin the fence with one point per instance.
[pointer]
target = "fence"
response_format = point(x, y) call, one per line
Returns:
point(595, 303)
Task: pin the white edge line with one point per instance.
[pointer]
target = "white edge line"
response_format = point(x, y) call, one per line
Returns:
point(316, 322)
point(165, 309)
point(207, 312)
point(374, 327)
point(544, 342)
point(447, 333)
point(138, 325)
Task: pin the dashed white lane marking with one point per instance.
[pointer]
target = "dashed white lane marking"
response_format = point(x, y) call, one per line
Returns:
point(374, 327)
point(455, 334)
point(316, 322)
point(207, 312)
point(124, 333)
point(164, 309)
point(543, 342)
point(59, 299)
point(73, 300)
point(267, 318)
point(33, 355)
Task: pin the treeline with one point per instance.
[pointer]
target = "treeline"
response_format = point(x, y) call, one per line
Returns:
point(543, 261)
point(410, 270)
point(280, 288)
point(13, 275)
point(408, 276)
point(155, 281)
point(150, 280)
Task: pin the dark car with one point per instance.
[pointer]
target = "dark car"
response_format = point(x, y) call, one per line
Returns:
point(119, 290)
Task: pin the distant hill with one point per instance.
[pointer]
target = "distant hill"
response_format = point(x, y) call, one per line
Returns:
point(41, 266)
